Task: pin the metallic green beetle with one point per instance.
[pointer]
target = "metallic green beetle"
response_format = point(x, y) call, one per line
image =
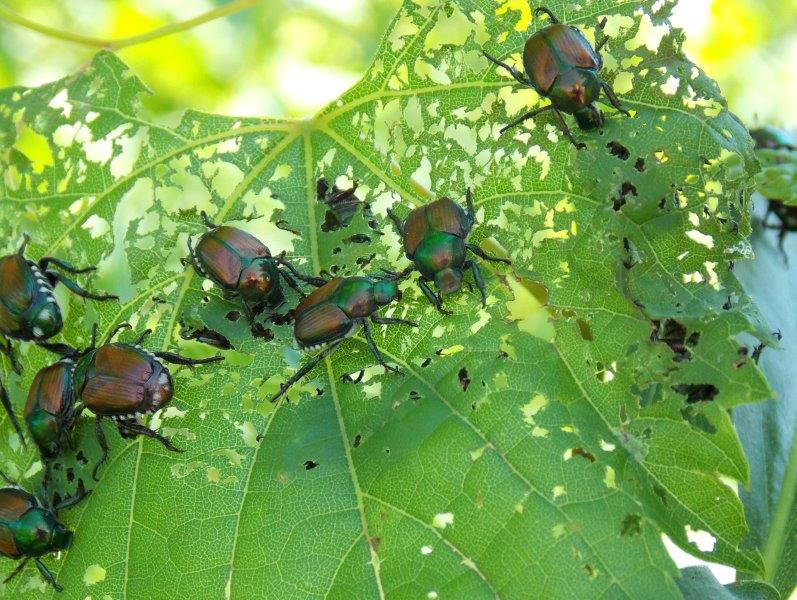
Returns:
point(29, 529)
point(435, 239)
point(561, 64)
point(28, 309)
point(336, 311)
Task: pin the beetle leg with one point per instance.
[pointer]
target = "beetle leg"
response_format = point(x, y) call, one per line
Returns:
point(18, 570)
point(469, 206)
point(138, 429)
point(309, 366)
point(6, 401)
point(47, 574)
point(522, 79)
point(176, 359)
point(614, 99)
point(316, 281)
point(103, 442)
point(546, 11)
point(44, 263)
point(71, 501)
point(55, 278)
point(391, 321)
point(482, 254)
point(369, 338)
point(8, 350)
point(432, 297)
point(477, 277)
point(291, 282)
point(566, 130)
point(397, 224)
point(118, 328)
point(526, 116)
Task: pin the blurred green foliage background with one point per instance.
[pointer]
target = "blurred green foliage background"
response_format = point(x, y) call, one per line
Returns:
point(289, 58)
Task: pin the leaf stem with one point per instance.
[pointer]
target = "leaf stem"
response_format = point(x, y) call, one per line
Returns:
point(11, 16)
point(774, 546)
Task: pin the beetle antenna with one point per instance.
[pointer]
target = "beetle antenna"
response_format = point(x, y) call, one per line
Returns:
point(25, 241)
point(545, 11)
point(205, 219)
point(120, 327)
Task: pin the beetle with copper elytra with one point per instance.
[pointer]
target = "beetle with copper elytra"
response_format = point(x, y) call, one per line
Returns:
point(435, 238)
point(30, 528)
point(563, 66)
point(116, 380)
point(336, 311)
point(243, 267)
point(29, 311)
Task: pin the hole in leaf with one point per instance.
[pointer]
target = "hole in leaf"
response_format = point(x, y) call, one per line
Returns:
point(464, 380)
point(357, 440)
point(618, 150)
point(261, 332)
point(233, 316)
point(704, 392)
point(631, 525)
point(341, 205)
point(310, 464)
point(585, 330)
point(583, 454)
point(674, 334)
point(661, 493)
point(640, 165)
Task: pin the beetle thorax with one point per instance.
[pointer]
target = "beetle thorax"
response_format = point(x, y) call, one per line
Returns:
point(255, 282)
point(575, 89)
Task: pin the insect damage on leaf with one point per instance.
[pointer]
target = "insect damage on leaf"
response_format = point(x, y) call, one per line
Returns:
point(525, 380)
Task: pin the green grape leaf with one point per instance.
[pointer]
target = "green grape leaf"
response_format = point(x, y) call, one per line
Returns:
point(544, 443)
point(778, 176)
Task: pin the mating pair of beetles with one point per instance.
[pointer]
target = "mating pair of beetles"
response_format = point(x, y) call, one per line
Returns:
point(435, 238)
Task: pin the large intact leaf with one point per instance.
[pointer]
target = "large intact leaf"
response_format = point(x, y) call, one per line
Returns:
point(524, 448)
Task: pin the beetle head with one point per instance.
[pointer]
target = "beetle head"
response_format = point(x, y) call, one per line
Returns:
point(386, 291)
point(255, 282)
point(46, 432)
point(47, 322)
point(589, 117)
point(448, 281)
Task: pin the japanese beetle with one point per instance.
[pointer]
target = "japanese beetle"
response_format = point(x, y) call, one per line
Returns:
point(30, 528)
point(561, 65)
point(243, 267)
point(435, 238)
point(115, 381)
point(335, 311)
point(50, 410)
point(28, 309)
